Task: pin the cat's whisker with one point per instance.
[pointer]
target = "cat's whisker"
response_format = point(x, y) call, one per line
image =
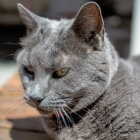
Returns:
point(70, 119)
point(21, 107)
point(63, 118)
point(16, 110)
point(79, 116)
point(66, 116)
point(82, 108)
point(7, 56)
point(74, 112)
point(89, 112)
point(9, 103)
point(25, 106)
point(73, 103)
point(11, 43)
point(58, 121)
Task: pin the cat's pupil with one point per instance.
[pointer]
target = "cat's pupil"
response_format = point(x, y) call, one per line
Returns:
point(62, 72)
point(56, 75)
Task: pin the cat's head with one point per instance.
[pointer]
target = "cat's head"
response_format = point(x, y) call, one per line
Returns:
point(66, 62)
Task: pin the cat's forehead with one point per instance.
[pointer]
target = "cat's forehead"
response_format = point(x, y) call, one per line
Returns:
point(55, 46)
point(53, 50)
point(50, 57)
point(56, 27)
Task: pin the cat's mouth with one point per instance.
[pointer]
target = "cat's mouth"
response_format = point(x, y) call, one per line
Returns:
point(60, 111)
point(62, 115)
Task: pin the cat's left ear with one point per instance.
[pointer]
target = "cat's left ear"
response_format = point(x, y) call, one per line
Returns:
point(29, 18)
point(89, 22)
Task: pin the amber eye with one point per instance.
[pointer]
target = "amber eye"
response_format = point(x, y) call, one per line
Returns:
point(29, 72)
point(60, 73)
point(30, 69)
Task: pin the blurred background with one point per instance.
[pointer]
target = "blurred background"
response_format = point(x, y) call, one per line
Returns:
point(120, 16)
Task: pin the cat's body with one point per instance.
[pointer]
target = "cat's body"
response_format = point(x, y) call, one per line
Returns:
point(116, 115)
point(72, 74)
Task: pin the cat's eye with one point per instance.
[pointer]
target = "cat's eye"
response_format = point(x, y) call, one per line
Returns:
point(60, 73)
point(29, 69)
point(30, 72)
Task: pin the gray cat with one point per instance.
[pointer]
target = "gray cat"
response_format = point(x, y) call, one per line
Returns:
point(73, 76)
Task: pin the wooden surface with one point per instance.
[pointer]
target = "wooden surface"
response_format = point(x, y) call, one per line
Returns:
point(18, 121)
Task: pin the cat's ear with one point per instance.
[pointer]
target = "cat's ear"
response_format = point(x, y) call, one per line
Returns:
point(29, 18)
point(89, 22)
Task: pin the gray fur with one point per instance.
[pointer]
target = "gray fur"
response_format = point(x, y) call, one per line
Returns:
point(104, 87)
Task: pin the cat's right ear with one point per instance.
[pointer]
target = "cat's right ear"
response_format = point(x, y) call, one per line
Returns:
point(29, 18)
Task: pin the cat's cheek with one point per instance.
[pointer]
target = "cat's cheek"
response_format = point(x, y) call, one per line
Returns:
point(26, 82)
point(27, 97)
point(27, 93)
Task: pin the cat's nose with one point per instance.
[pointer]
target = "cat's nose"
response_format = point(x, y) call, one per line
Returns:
point(36, 100)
